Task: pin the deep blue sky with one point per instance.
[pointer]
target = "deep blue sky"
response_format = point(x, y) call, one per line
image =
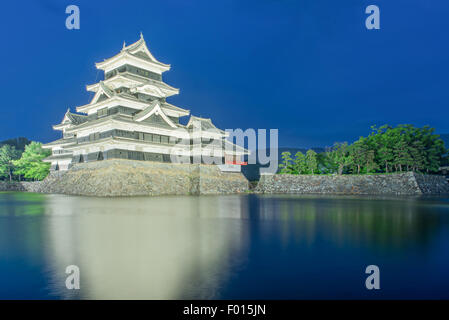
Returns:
point(308, 67)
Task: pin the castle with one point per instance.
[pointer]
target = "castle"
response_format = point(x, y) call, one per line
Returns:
point(129, 118)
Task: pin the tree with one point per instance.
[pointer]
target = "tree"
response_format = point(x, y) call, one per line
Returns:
point(385, 149)
point(370, 164)
point(434, 159)
point(325, 164)
point(340, 156)
point(401, 152)
point(359, 152)
point(418, 155)
point(19, 143)
point(300, 165)
point(385, 143)
point(311, 161)
point(8, 154)
point(286, 165)
point(30, 165)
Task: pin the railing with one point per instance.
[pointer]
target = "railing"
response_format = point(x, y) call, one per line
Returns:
point(241, 163)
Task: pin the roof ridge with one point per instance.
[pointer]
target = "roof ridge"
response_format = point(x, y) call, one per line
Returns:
point(201, 118)
point(134, 44)
point(130, 74)
point(106, 89)
point(77, 114)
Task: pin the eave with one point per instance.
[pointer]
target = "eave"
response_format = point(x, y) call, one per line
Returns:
point(125, 57)
point(61, 126)
point(117, 98)
point(169, 109)
point(59, 142)
point(58, 156)
point(115, 122)
point(132, 81)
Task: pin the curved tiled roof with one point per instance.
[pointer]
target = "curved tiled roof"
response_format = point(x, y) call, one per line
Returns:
point(109, 92)
point(76, 118)
point(136, 45)
point(206, 123)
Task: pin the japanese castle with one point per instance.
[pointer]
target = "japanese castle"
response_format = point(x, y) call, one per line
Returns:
point(129, 118)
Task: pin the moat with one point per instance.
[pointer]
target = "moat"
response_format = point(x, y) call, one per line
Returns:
point(223, 247)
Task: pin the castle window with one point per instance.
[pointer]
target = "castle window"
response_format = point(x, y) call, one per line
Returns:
point(148, 137)
point(102, 112)
point(156, 138)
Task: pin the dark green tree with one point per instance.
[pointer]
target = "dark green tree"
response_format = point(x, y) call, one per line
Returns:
point(8, 154)
point(286, 167)
point(340, 156)
point(300, 165)
point(359, 150)
point(370, 162)
point(401, 153)
point(418, 155)
point(311, 161)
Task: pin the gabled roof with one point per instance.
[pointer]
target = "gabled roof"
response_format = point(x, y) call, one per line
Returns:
point(76, 118)
point(205, 123)
point(137, 83)
point(140, 49)
point(138, 103)
point(137, 50)
point(108, 91)
point(175, 108)
point(145, 81)
point(71, 118)
point(154, 109)
point(102, 89)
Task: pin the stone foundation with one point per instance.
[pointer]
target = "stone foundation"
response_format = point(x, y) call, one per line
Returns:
point(387, 184)
point(111, 178)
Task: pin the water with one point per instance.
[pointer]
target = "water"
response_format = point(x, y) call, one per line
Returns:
point(223, 247)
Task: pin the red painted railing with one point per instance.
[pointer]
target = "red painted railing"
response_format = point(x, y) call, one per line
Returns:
point(241, 163)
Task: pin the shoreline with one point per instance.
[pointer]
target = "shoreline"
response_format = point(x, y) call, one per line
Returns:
point(277, 185)
point(125, 178)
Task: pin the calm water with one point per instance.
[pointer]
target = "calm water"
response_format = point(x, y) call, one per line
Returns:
point(223, 247)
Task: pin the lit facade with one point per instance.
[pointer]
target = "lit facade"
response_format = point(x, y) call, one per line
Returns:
point(129, 118)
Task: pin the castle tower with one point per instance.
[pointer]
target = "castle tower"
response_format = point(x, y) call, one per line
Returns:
point(129, 118)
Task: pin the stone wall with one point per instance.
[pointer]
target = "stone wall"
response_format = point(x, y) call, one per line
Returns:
point(432, 184)
point(388, 184)
point(213, 181)
point(135, 178)
point(11, 186)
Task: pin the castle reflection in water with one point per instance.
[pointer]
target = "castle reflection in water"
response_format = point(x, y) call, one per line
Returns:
point(208, 247)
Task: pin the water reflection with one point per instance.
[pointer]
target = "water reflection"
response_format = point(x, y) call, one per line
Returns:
point(211, 246)
point(378, 223)
point(152, 248)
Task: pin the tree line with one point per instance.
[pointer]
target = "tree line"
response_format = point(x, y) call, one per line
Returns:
point(385, 150)
point(18, 165)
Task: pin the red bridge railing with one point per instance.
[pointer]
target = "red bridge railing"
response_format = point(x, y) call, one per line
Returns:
point(242, 163)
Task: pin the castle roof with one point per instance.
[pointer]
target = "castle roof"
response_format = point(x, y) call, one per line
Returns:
point(137, 52)
point(71, 119)
point(205, 123)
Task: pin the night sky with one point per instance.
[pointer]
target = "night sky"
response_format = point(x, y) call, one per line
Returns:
point(309, 68)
